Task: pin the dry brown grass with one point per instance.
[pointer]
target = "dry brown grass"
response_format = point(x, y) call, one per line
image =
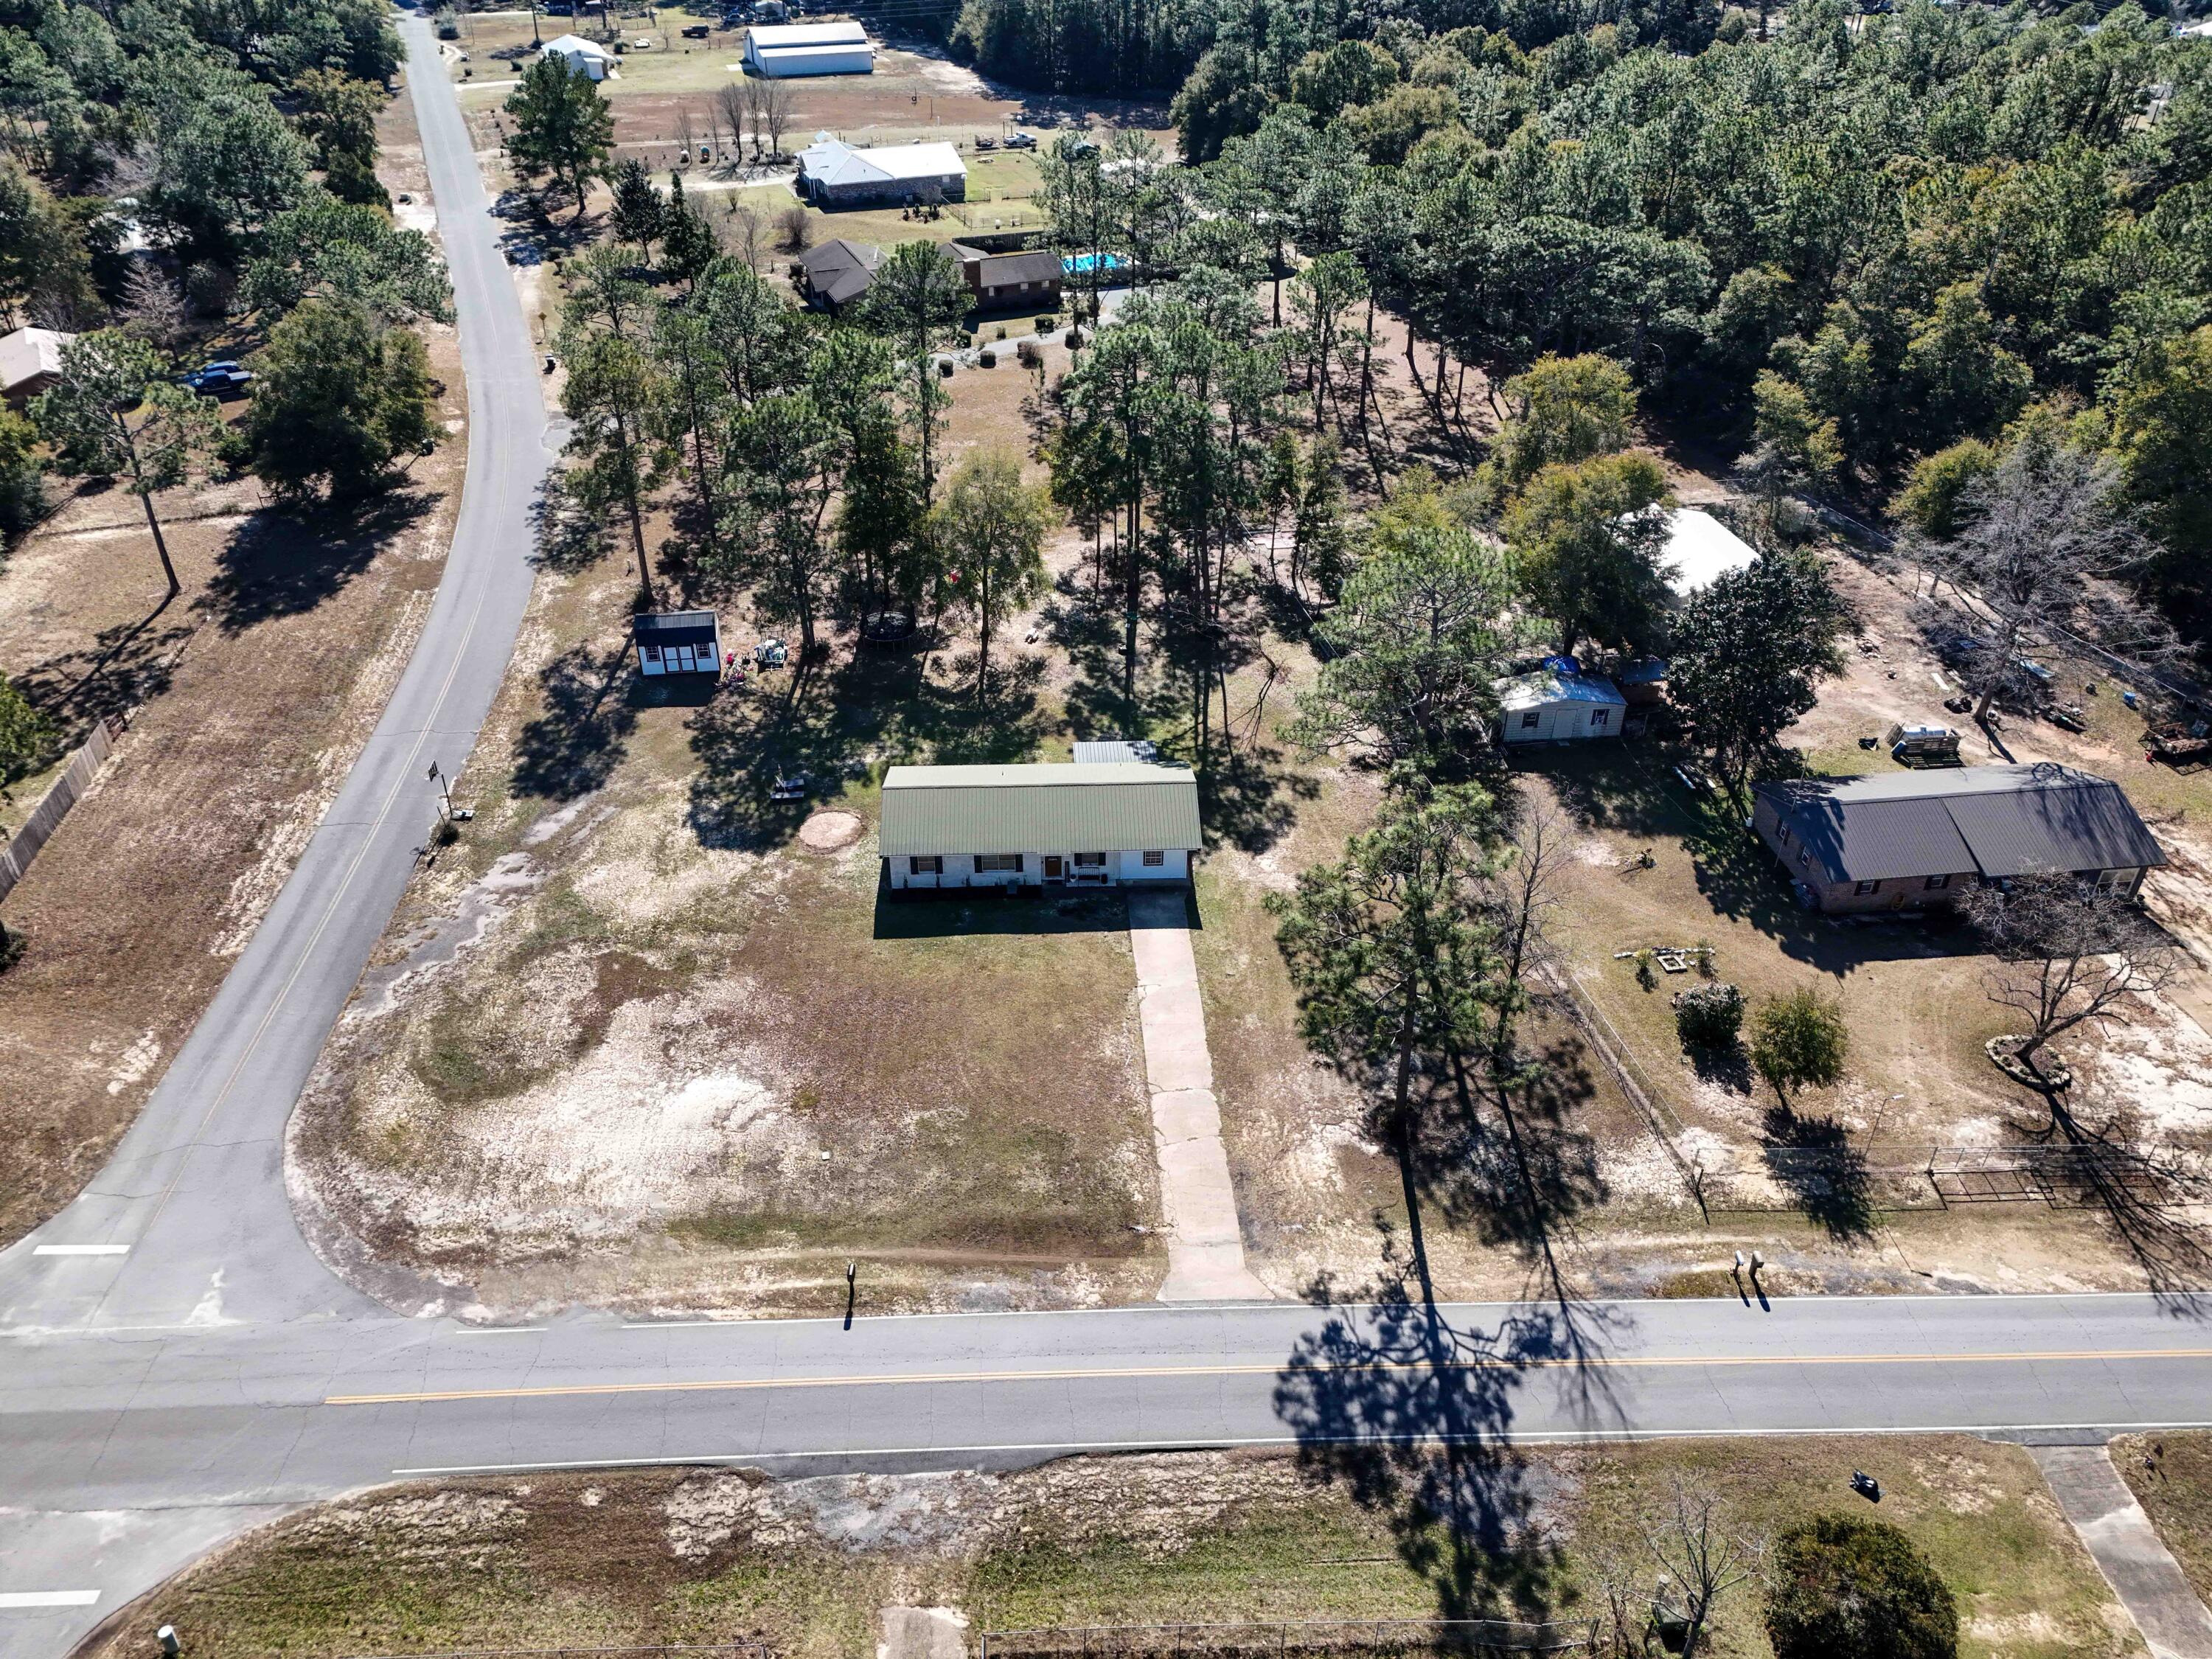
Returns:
point(255, 688)
point(673, 1555)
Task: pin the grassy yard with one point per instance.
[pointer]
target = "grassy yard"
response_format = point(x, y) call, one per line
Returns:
point(249, 694)
point(702, 1556)
point(2175, 1489)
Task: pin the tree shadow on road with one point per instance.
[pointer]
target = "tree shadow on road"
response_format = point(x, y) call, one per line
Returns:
point(1410, 1411)
point(1408, 1404)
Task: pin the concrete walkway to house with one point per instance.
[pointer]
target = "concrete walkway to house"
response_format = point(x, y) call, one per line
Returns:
point(1206, 1250)
point(2128, 1550)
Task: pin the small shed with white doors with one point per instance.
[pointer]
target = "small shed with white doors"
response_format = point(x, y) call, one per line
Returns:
point(1095, 824)
point(1554, 706)
point(677, 642)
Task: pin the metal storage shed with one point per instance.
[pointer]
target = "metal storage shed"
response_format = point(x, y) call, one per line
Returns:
point(1550, 706)
point(784, 52)
point(583, 56)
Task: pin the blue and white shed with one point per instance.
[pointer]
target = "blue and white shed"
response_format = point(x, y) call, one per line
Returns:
point(1551, 707)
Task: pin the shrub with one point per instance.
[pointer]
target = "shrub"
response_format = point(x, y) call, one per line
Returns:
point(1709, 1015)
point(986, 358)
point(1045, 325)
point(1799, 1039)
point(1846, 1585)
point(210, 288)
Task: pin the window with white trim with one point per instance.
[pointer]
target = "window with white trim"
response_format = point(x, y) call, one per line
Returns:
point(1599, 719)
point(1863, 888)
point(1935, 883)
point(988, 862)
point(1155, 860)
point(1090, 860)
point(1529, 720)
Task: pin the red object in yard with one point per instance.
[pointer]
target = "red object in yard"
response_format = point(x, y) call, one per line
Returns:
point(952, 579)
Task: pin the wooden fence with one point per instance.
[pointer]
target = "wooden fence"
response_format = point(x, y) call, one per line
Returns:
point(75, 779)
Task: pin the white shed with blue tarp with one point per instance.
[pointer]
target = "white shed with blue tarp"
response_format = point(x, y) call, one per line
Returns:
point(1552, 707)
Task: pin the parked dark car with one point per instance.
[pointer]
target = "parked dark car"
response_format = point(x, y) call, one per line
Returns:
point(697, 31)
point(222, 380)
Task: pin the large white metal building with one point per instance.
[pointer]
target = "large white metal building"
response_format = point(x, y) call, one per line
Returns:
point(583, 56)
point(779, 51)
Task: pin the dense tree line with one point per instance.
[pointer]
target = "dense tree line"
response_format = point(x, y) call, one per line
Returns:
point(238, 140)
point(1863, 251)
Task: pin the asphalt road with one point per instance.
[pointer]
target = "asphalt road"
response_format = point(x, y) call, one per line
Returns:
point(176, 1365)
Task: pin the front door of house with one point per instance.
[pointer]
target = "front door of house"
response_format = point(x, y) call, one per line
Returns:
point(1055, 867)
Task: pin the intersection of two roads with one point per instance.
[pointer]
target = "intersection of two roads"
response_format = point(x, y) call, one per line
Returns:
point(176, 1365)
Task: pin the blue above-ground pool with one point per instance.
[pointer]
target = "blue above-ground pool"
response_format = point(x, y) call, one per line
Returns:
point(1082, 265)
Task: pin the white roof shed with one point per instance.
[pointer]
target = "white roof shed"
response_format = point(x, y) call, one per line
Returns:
point(587, 57)
point(781, 51)
point(1548, 706)
point(1702, 550)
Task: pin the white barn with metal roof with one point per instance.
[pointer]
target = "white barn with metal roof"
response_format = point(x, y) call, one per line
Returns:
point(786, 51)
point(585, 57)
point(1090, 825)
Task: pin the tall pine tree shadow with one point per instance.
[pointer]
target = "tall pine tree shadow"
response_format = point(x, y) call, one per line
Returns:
point(1408, 1404)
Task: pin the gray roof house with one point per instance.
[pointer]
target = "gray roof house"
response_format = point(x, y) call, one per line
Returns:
point(1908, 839)
point(834, 173)
point(837, 273)
point(1097, 824)
point(1029, 279)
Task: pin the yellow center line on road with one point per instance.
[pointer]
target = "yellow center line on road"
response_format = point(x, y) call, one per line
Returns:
point(1137, 1373)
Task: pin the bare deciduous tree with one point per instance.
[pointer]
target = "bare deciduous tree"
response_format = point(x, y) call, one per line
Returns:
point(2044, 542)
point(772, 110)
point(153, 308)
point(2069, 954)
point(734, 101)
point(687, 133)
point(1701, 1556)
point(1521, 896)
point(796, 229)
point(744, 235)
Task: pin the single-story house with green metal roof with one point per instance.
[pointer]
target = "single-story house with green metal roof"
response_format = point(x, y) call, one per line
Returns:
point(1100, 824)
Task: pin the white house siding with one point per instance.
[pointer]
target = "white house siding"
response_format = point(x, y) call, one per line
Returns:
point(791, 63)
point(1559, 722)
point(960, 871)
